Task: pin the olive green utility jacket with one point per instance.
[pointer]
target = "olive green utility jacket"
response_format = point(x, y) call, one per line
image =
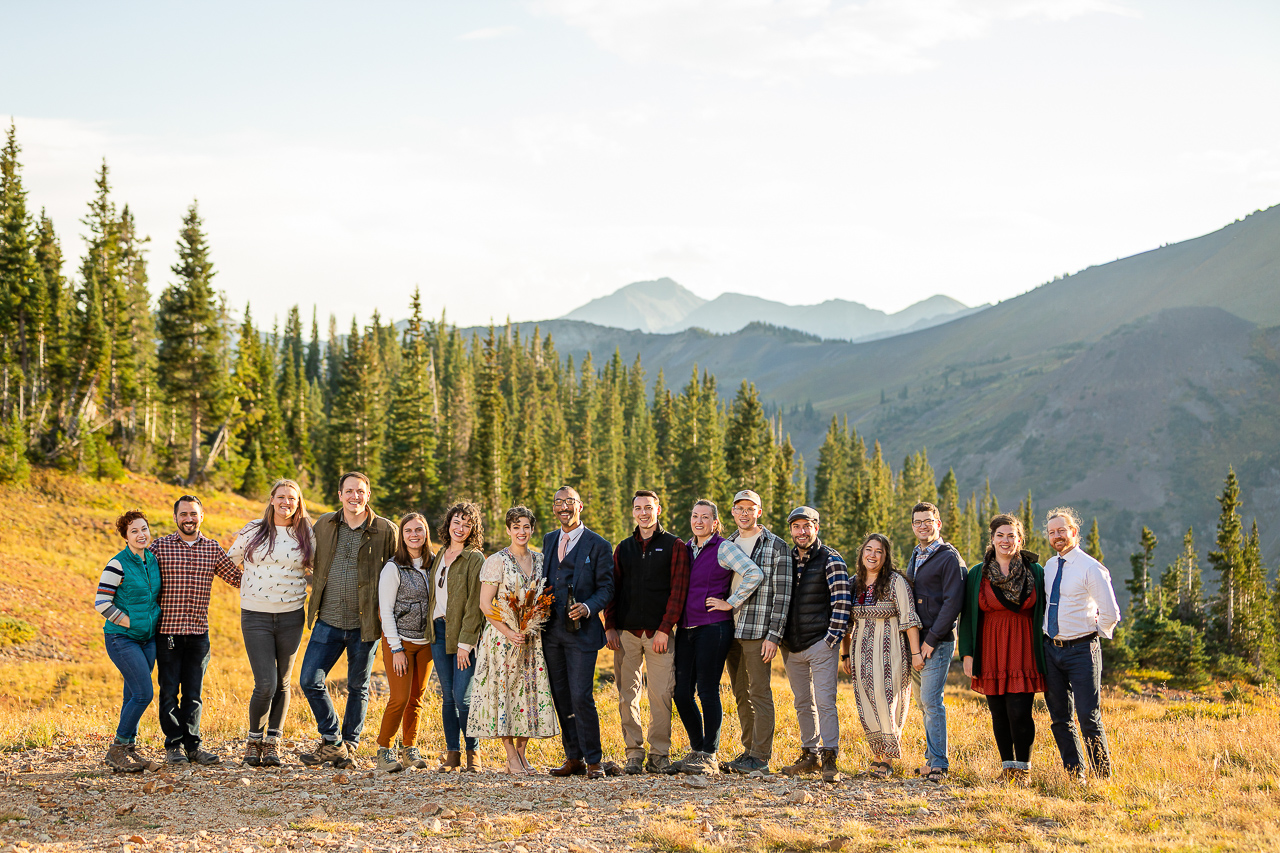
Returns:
point(376, 548)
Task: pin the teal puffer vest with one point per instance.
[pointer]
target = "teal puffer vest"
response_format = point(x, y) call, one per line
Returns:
point(138, 596)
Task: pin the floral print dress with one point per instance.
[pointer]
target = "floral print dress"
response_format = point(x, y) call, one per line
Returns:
point(511, 691)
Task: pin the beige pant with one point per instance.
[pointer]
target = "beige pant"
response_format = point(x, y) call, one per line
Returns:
point(661, 672)
point(752, 691)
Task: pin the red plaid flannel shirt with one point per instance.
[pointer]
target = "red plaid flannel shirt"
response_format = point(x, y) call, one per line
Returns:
point(186, 573)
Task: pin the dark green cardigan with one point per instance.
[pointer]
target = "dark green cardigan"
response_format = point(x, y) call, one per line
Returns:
point(971, 616)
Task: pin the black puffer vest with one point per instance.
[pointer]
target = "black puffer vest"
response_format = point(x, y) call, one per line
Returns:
point(810, 612)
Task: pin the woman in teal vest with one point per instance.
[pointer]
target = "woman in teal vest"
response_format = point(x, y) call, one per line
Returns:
point(129, 599)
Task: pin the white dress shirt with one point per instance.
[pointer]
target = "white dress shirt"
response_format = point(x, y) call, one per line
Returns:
point(1086, 601)
point(572, 536)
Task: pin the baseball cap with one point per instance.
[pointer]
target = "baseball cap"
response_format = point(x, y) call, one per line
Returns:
point(747, 495)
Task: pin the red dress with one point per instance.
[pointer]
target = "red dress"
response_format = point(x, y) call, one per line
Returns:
point(1008, 664)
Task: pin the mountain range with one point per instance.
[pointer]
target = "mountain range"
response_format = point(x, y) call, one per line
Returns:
point(665, 307)
point(1126, 389)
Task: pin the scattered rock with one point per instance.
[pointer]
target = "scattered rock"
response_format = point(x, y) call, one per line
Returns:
point(448, 814)
point(837, 843)
point(137, 839)
point(342, 779)
point(245, 781)
point(799, 798)
point(126, 808)
point(523, 805)
point(431, 808)
point(433, 825)
point(707, 828)
point(697, 782)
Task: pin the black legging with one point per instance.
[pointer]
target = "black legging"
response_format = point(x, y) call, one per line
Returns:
point(1014, 726)
point(699, 662)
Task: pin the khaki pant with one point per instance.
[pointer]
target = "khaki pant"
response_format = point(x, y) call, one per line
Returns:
point(750, 678)
point(661, 672)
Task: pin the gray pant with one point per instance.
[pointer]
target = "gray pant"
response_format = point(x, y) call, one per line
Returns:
point(812, 674)
point(271, 641)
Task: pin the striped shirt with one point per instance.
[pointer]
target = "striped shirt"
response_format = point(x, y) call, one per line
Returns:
point(104, 601)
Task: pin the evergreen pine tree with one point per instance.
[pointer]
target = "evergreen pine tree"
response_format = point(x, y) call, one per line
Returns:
point(487, 460)
point(190, 336)
point(1226, 560)
point(1141, 561)
point(1093, 544)
point(410, 459)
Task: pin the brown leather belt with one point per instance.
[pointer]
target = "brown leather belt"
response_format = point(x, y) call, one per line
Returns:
point(1066, 644)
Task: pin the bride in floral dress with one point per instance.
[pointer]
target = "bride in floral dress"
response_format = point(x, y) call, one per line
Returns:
point(511, 692)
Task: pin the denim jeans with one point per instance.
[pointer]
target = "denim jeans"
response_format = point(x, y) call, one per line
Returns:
point(134, 660)
point(929, 684)
point(326, 645)
point(1073, 682)
point(700, 654)
point(181, 661)
point(455, 691)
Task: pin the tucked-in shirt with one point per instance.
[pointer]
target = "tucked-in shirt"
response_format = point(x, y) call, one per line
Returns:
point(573, 536)
point(388, 589)
point(1086, 601)
point(186, 574)
point(340, 601)
point(274, 581)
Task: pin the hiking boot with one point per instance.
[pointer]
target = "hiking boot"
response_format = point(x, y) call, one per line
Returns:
point(252, 752)
point(807, 763)
point(175, 755)
point(451, 760)
point(657, 764)
point(202, 757)
point(748, 764)
point(410, 757)
point(387, 760)
point(635, 765)
point(271, 752)
point(348, 761)
point(830, 772)
point(474, 765)
point(121, 760)
point(325, 753)
point(727, 766)
point(700, 764)
point(143, 763)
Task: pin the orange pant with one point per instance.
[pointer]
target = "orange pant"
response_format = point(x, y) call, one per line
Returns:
point(406, 692)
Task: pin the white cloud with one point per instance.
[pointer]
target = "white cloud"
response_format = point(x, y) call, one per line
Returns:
point(773, 39)
point(487, 33)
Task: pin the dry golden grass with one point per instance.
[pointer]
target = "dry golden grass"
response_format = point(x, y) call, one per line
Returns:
point(1189, 773)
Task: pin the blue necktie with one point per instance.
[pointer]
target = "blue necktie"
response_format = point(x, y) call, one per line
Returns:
point(1053, 601)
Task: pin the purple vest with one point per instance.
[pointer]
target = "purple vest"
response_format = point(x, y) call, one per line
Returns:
point(707, 579)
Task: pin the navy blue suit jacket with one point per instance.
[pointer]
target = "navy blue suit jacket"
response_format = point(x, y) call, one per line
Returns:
point(590, 566)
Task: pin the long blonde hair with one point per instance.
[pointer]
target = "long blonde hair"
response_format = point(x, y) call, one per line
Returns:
point(299, 526)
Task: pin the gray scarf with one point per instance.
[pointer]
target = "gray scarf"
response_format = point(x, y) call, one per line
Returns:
point(1013, 589)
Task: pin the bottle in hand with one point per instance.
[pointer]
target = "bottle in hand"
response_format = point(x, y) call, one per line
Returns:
point(571, 625)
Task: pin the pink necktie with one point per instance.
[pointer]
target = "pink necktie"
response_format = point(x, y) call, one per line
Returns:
point(564, 546)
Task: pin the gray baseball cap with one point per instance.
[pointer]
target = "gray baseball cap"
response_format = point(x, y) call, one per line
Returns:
point(803, 512)
point(748, 495)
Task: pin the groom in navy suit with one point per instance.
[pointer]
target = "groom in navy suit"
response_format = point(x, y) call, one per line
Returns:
point(575, 555)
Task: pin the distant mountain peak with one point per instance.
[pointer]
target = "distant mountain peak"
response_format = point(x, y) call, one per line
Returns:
point(644, 305)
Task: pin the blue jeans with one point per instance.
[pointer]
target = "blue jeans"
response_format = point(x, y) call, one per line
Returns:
point(699, 661)
point(1073, 682)
point(134, 659)
point(455, 690)
point(327, 644)
point(929, 684)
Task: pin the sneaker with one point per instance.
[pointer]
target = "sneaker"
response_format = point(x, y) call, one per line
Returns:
point(727, 766)
point(830, 772)
point(325, 753)
point(804, 765)
point(708, 764)
point(121, 759)
point(252, 752)
point(175, 755)
point(635, 765)
point(387, 760)
point(202, 757)
point(410, 757)
point(657, 764)
point(271, 752)
point(748, 764)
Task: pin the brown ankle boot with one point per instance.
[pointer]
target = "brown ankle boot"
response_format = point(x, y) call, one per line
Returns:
point(452, 761)
point(473, 761)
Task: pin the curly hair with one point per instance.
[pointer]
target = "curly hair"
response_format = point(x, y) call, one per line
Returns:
point(886, 569)
point(123, 522)
point(471, 512)
point(518, 512)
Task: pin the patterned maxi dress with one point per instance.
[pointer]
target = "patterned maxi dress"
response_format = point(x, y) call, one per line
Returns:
point(511, 691)
point(882, 666)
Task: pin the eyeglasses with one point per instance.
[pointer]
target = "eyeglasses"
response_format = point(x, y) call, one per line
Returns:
point(926, 523)
point(564, 503)
point(744, 510)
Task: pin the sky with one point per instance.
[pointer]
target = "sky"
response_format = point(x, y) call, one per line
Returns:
point(516, 159)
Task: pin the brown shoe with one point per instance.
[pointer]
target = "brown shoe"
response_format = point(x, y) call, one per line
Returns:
point(474, 764)
point(595, 771)
point(451, 760)
point(572, 767)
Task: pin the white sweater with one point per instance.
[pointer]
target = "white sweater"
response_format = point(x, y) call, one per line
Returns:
point(274, 581)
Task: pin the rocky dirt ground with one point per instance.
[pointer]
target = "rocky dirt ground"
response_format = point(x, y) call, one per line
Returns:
point(65, 799)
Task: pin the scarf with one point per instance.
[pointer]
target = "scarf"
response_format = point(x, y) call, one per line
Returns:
point(1012, 590)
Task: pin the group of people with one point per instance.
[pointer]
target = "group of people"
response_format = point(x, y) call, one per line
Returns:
point(514, 637)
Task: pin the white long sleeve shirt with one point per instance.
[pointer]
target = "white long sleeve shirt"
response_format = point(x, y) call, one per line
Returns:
point(1087, 601)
